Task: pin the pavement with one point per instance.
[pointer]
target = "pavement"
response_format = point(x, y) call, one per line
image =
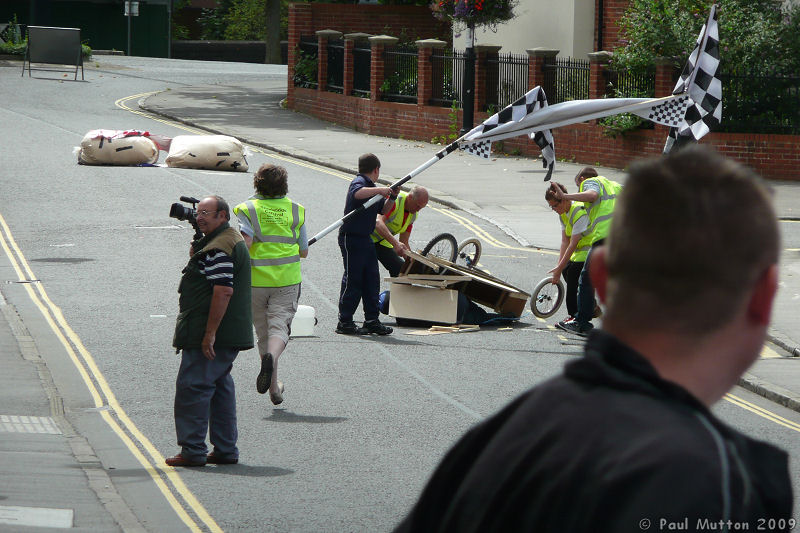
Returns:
point(39, 445)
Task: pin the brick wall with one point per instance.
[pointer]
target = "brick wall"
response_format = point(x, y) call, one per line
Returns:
point(773, 156)
point(612, 12)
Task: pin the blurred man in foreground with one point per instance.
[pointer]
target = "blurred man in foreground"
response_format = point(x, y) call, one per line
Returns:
point(624, 440)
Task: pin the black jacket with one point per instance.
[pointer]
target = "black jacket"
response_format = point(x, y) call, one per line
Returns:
point(607, 446)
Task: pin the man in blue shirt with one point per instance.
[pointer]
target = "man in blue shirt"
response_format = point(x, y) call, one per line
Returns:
point(361, 280)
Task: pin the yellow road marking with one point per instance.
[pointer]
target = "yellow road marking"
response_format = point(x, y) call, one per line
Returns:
point(764, 413)
point(769, 353)
point(55, 319)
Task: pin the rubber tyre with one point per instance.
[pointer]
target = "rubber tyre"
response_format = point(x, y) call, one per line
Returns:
point(470, 257)
point(444, 245)
point(547, 298)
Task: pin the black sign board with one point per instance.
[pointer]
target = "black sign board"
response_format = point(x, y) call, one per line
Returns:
point(53, 46)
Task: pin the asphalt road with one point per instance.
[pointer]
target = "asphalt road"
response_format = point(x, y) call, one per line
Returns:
point(364, 420)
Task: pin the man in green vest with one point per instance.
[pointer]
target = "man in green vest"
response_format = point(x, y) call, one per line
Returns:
point(399, 221)
point(213, 325)
point(274, 230)
point(599, 196)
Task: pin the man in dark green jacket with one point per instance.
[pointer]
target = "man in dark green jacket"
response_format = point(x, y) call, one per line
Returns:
point(213, 325)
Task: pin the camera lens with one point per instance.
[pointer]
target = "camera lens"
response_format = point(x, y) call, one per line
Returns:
point(180, 212)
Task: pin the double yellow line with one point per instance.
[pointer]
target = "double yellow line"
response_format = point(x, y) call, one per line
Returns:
point(166, 478)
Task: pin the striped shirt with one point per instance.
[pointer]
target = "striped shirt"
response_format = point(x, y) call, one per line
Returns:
point(217, 267)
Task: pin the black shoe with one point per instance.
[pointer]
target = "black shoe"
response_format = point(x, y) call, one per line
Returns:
point(347, 328)
point(265, 376)
point(374, 327)
point(215, 459)
point(577, 329)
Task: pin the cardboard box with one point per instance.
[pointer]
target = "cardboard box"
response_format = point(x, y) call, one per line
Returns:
point(423, 303)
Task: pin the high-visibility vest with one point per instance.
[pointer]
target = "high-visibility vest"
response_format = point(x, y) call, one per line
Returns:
point(569, 218)
point(275, 253)
point(397, 222)
point(601, 210)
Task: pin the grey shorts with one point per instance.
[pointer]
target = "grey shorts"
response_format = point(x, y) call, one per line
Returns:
point(273, 311)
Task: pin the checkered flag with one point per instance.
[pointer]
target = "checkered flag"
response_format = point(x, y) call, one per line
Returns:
point(670, 113)
point(699, 80)
point(481, 149)
point(516, 112)
point(544, 139)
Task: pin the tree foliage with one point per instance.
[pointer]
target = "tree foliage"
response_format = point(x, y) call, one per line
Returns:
point(761, 35)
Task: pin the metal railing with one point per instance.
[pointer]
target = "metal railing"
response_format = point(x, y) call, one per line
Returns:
point(753, 103)
point(566, 79)
point(638, 83)
point(447, 74)
point(511, 74)
point(335, 81)
point(362, 67)
point(400, 81)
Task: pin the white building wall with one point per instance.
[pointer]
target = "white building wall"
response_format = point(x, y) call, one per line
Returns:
point(565, 25)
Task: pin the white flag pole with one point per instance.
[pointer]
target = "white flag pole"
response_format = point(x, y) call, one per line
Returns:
point(452, 147)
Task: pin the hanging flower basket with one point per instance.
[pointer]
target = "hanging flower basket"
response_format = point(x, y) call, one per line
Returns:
point(474, 13)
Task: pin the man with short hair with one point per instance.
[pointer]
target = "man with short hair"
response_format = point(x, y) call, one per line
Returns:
point(214, 324)
point(399, 221)
point(599, 197)
point(624, 439)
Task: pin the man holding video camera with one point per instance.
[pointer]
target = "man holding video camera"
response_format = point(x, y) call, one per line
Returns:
point(213, 325)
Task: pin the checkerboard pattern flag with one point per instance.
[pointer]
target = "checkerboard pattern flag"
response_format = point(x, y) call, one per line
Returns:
point(481, 149)
point(699, 80)
point(670, 113)
point(527, 104)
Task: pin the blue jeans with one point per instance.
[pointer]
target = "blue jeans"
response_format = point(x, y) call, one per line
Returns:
point(205, 402)
point(586, 300)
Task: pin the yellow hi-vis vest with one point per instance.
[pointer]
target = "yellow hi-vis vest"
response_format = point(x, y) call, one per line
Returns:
point(601, 211)
point(275, 253)
point(395, 222)
point(576, 210)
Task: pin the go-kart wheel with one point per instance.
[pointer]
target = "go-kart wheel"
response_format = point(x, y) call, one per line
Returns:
point(468, 253)
point(547, 297)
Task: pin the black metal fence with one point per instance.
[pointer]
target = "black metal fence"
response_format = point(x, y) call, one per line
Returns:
point(447, 73)
point(362, 67)
point(400, 80)
point(631, 83)
point(335, 82)
point(511, 73)
point(753, 103)
point(566, 79)
point(305, 68)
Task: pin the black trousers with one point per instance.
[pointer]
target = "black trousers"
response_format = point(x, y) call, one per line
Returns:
point(571, 275)
point(361, 280)
point(389, 259)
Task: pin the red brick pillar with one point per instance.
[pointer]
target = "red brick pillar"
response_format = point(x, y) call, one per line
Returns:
point(322, 56)
point(425, 69)
point(378, 43)
point(537, 59)
point(350, 41)
point(598, 61)
point(300, 25)
point(665, 70)
point(486, 74)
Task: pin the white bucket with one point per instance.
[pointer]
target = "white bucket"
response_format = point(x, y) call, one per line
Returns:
point(303, 322)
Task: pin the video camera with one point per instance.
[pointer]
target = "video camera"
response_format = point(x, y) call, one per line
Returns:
point(181, 212)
